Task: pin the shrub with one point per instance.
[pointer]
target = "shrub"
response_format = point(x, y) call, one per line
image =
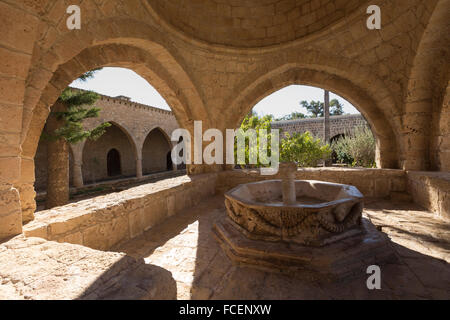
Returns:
point(356, 148)
point(303, 149)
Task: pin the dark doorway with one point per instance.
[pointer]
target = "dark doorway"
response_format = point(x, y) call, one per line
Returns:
point(169, 161)
point(114, 167)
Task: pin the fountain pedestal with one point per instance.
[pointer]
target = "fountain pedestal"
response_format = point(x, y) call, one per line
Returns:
point(287, 171)
point(310, 228)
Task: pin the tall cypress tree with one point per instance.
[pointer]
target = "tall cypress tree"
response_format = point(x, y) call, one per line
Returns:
point(65, 126)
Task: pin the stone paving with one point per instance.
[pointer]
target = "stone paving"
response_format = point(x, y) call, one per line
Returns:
point(181, 259)
point(185, 246)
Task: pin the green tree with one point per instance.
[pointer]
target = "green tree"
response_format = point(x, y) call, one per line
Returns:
point(253, 121)
point(293, 116)
point(65, 126)
point(316, 108)
point(336, 108)
point(304, 149)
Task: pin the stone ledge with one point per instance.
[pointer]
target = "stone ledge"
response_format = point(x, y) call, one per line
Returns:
point(106, 221)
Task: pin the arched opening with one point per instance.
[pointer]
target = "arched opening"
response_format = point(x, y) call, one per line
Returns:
point(113, 155)
point(156, 151)
point(113, 164)
point(162, 70)
point(369, 95)
point(298, 109)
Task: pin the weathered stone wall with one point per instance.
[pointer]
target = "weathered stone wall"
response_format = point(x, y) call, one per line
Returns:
point(371, 182)
point(104, 222)
point(133, 123)
point(339, 125)
point(95, 153)
point(431, 190)
point(154, 152)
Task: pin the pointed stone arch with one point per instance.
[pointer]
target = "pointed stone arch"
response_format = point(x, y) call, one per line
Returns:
point(365, 92)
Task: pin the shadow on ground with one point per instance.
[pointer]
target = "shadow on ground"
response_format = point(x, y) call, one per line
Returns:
point(185, 246)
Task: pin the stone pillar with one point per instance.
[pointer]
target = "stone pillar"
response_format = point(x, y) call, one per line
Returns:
point(77, 175)
point(326, 125)
point(16, 50)
point(287, 173)
point(77, 169)
point(139, 167)
point(58, 163)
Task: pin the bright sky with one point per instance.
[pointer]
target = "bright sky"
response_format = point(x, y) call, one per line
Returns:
point(124, 82)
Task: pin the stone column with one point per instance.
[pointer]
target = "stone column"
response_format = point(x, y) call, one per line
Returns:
point(58, 163)
point(77, 175)
point(77, 169)
point(139, 167)
point(16, 60)
point(326, 125)
point(287, 172)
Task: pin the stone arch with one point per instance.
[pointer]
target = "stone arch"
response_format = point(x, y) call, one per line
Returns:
point(365, 92)
point(95, 154)
point(155, 148)
point(149, 59)
point(425, 99)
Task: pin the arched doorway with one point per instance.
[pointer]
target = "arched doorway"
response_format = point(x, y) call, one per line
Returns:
point(169, 161)
point(156, 153)
point(113, 163)
point(112, 155)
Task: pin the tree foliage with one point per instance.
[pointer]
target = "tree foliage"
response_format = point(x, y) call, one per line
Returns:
point(301, 148)
point(304, 149)
point(356, 148)
point(79, 106)
point(316, 108)
point(293, 116)
point(253, 121)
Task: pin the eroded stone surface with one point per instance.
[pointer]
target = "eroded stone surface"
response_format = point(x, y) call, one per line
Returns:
point(33, 268)
point(319, 212)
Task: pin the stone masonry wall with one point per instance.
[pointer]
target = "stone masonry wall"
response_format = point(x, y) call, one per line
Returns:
point(106, 221)
point(338, 125)
point(95, 155)
point(431, 190)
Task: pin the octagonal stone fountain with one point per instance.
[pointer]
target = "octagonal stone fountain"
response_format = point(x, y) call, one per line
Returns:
point(312, 228)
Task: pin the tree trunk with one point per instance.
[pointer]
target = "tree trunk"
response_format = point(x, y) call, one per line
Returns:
point(58, 163)
point(326, 126)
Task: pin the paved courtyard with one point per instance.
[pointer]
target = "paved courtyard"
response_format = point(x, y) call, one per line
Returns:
point(181, 259)
point(185, 246)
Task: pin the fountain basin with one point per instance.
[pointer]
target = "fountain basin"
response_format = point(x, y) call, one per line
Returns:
point(323, 212)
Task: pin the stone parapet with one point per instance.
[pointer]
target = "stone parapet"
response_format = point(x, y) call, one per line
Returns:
point(106, 221)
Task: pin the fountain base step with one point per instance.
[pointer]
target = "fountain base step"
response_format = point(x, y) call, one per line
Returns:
point(349, 257)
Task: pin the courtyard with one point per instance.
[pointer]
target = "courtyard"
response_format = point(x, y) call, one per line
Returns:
point(94, 205)
point(181, 259)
